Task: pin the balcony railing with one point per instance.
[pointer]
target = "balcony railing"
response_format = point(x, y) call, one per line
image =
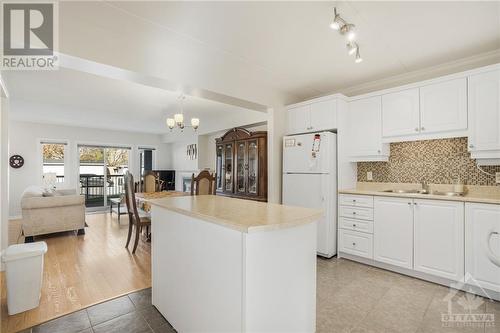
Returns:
point(93, 187)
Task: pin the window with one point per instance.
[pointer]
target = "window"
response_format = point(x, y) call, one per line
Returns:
point(53, 159)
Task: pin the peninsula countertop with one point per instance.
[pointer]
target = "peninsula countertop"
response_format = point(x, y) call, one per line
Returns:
point(238, 214)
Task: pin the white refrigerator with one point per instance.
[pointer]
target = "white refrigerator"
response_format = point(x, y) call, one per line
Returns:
point(310, 180)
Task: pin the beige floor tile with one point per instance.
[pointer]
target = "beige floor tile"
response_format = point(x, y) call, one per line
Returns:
point(493, 307)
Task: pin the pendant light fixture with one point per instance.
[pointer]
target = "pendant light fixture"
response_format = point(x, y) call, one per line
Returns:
point(178, 119)
point(348, 30)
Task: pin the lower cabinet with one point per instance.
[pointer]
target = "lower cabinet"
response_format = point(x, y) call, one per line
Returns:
point(482, 245)
point(393, 231)
point(439, 238)
point(357, 243)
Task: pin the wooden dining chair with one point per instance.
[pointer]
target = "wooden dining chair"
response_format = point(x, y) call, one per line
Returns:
point(150, 184)
point(134, 218)
point(204, 183)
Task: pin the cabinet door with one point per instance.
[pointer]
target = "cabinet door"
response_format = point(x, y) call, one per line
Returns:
point(439, 238)
point(241, 168)
point(365, 133)
point(443, 106)
point(393, 231)
point(401, 113)
point(482, 244)
point(228, 167)
point(219, 162)
point(323, 115)
point(299, 119)
point(484, 111)
point(253, 167)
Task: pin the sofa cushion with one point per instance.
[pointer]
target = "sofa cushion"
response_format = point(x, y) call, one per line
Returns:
point(33, 191)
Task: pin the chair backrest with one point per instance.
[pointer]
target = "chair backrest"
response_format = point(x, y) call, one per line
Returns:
point(130, 198)
point(149, 182)
point(204, 183)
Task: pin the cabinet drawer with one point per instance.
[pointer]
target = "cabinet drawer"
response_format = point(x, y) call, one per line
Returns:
point(357, 243)
point(356, 225)
point(356, 200)
point(357, 213)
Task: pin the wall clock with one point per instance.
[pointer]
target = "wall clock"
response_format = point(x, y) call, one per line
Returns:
point(16, 161)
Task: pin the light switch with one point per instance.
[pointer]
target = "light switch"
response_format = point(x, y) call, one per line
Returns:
point(369, 175)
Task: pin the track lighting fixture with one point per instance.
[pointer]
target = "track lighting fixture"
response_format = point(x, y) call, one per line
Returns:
point(358, 57)
point(352, 47)
point(346, 29)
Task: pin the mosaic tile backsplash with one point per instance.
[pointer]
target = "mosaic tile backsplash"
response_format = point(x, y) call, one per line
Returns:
point(434, 161)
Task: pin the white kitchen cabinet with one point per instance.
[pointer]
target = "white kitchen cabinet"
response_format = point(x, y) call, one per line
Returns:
point(393, 231)
point(299, 119)
point(364, 117)
point(439, 238)
point(312, 117)
point(357, 243)
point(401, 113)
point(484, 114)
point(443, 106)
point(482, 244)
point(323, 115)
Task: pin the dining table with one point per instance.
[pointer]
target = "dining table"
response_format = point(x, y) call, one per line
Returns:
point(143, 197)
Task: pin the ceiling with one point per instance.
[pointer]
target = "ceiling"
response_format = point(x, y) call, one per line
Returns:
point(71, 97)
point(267, 51)
point(270, 53)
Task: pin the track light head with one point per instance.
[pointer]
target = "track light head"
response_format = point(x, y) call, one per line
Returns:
point(352, 47)
point(358, 57)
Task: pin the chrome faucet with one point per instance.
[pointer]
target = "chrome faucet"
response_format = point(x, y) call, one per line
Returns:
point(425, 187)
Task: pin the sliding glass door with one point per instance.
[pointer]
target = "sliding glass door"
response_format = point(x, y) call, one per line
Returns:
point(101, 173)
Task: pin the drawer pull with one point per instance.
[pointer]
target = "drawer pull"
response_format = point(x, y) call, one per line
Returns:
point(353, 213)
point(354, 225)
point(353, 244)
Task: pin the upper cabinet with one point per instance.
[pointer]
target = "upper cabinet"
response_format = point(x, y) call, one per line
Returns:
point(364, 117)
point(443, 106)
point(432, 111)
point(484, 115)
point(401, 113)
point(312, 117)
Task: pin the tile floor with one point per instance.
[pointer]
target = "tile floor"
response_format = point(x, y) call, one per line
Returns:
point(132, 313)
point(352, 298)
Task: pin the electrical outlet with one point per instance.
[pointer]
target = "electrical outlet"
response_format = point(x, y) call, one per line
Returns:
point(369, 175)
point(497, 177)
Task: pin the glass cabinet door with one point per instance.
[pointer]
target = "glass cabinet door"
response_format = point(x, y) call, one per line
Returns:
point(218, 167)
point(228, 167)
point(240, 167)
point(253, 167)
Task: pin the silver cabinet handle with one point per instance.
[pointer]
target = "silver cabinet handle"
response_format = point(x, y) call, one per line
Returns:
point(415, 203)
point(353, 244)
point(353, 213)
point(416, 129)
point(378, 151)
point(422, 128)
point(354, 225)
point(409, 203)
point(353, 200)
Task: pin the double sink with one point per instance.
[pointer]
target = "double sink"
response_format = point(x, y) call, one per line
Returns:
point(450, 194)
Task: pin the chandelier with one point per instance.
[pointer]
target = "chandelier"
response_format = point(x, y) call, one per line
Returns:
point(178, 119)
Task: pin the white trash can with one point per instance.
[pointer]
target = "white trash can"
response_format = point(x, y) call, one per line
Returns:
point(24, 271)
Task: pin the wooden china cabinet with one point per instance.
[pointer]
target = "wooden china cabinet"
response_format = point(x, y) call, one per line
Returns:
point(241, 164)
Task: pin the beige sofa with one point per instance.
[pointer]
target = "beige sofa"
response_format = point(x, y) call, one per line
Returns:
point(45, 213)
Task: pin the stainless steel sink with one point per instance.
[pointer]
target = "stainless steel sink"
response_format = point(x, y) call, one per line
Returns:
point(402, 191)
point(450, 194)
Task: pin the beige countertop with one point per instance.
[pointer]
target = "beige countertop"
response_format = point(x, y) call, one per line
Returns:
point(242, 215)
point(478, 194)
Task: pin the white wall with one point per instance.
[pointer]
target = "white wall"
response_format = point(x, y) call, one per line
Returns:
point(4, 173)
point(24, 138)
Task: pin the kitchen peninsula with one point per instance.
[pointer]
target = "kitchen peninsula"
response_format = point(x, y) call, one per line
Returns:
point(222, 264)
